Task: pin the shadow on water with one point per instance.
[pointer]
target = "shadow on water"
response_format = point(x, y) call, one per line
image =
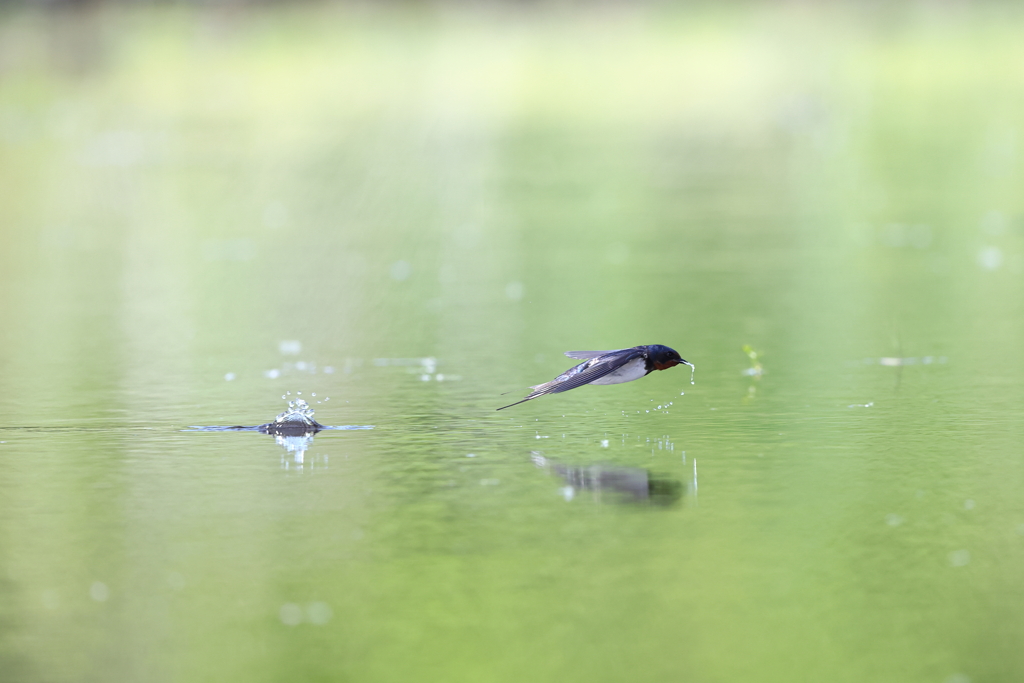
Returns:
point(626, 484)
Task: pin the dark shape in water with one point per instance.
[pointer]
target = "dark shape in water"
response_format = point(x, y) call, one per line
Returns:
point(296, 421)
point(292, 424)
point(635, 483)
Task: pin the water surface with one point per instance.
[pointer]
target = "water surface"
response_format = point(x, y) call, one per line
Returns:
point(411, 215)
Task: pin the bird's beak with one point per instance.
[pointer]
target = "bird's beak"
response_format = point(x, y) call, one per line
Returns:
point(686, 362)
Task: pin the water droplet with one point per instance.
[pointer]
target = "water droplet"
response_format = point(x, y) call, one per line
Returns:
point(313, 394)
point(99, 592)
point(290, 614)
point(50, 599)
point(990, 258)
point(319, 613)
point(960, 558)
point(401, 270)
point(290, 347)
point(298, 411)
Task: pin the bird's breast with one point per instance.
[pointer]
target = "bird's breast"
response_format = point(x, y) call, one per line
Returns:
point(634, 369)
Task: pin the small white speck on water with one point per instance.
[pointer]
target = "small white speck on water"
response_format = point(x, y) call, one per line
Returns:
point(959, 558)
point(313, 394)
point(318, 613)
point(290, 614)
point(99, 592)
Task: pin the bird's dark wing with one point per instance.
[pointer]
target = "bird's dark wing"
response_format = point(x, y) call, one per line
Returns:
point(584, 373)
point(587, 355)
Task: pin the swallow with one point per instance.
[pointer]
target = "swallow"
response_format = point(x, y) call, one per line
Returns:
point(608, 367)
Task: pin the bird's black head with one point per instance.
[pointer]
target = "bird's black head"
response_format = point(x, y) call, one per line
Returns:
point(663, 357)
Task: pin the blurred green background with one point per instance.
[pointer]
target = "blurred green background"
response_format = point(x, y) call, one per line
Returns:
point(414, 208)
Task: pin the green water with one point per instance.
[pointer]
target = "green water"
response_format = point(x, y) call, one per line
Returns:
point(414, 211)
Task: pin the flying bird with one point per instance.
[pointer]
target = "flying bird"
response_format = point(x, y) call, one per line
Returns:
point(608, 367)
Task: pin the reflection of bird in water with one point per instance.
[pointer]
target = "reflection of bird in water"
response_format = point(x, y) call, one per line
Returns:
point(635, 483)
point(608, 367)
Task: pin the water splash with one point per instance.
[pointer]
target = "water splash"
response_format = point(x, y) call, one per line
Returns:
point(299, 412)
point(296, 421)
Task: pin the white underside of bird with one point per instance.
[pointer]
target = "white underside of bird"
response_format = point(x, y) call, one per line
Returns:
point(634, 369)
